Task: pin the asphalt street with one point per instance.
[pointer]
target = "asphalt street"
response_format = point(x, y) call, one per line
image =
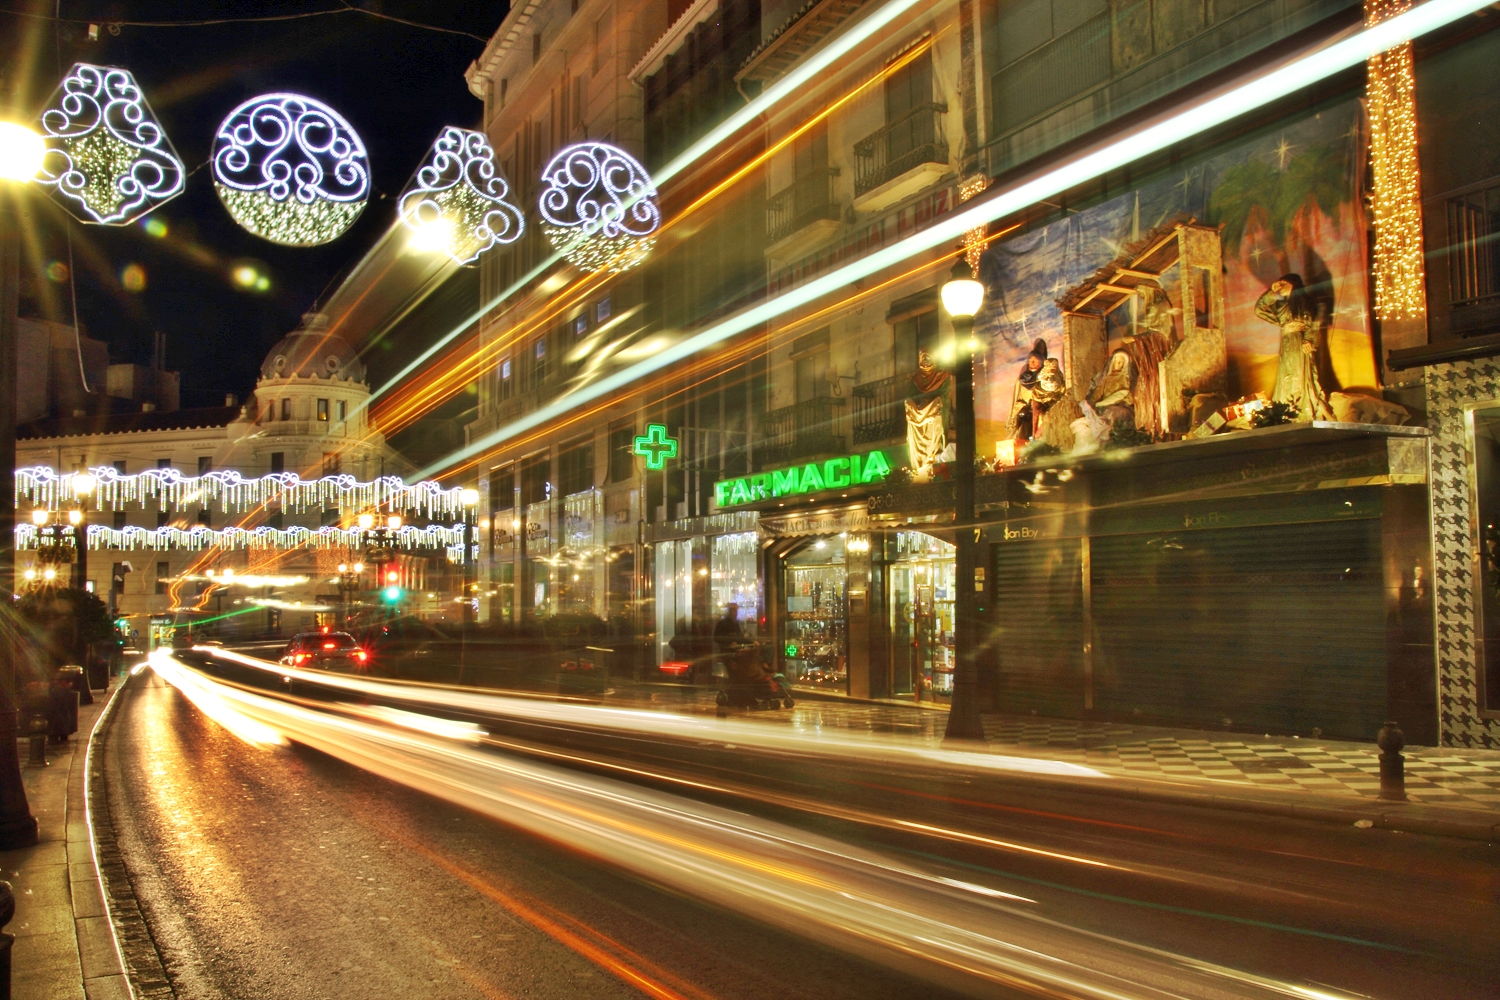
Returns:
point(269, 871)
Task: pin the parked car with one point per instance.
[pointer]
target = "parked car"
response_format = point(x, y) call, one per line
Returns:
point(326, 651)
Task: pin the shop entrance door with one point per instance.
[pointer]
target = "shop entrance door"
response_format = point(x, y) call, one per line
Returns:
point(816, 641)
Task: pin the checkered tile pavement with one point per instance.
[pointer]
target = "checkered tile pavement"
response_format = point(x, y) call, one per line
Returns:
point(1435, 775)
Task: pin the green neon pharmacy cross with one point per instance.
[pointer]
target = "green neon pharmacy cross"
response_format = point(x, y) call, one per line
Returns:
point(656, 447)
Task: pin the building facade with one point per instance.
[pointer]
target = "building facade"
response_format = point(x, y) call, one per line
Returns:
point(1203, 495)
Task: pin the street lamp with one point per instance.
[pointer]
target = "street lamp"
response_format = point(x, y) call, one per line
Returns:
point(962, 296)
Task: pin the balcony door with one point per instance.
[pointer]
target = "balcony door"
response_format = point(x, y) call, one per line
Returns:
point(908, 91)
point(810, 166)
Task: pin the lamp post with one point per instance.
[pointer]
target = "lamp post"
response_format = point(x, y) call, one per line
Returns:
point(962, 297)
point(83, 486)
point(470, 499)
point(21, 152)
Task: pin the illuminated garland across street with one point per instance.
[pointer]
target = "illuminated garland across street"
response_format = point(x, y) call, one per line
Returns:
point(599, 207)
point(290, 169)
point(108, 160)
point(456, 202)
point(450, 539)
point(43, 487)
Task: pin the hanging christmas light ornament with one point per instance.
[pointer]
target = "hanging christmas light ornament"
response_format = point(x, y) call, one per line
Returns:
point(456, 202)
point(290, 170)
point(599, 207)
point(108, 160)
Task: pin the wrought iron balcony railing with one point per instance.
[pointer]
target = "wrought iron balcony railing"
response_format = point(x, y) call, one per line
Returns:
point(799, 430)
point(916, 137)
point(879, 413)
point(808, 199)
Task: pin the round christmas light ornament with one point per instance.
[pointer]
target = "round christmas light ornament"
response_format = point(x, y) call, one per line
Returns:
point(108, 160)
point(456, 202)
point(599, 207)
point(290, 169)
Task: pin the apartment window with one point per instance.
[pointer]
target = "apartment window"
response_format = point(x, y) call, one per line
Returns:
point(286, 409)
point(603, 44)
point(331, 463)
point(536, 47)
point(535, 472)
point(502, 488)
point(270, 414)
point(907, 91)
point(914, 333)
point(810, 365)
point(581, 325)
point(277, 520)
point(323, 410)
point(205, 464)
point(162, 518)
point(206, 517)
point(278, 461)
point(163, 463)
point(575, 467)
point(507, 384)
point(120, 468)
point(343, 409)
point(504, 86)
point(330, 517)
point(621, 453)
point(1473, 258)
point(119, 520)
point(163, 574)
point(601, 310)
point(539, 361)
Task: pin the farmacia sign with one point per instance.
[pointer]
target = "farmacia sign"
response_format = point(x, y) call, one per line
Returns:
point(797, 480)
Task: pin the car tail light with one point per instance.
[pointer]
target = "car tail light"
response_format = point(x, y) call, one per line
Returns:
point(676, 667)
point(300, 657)
point(360, 654)
point(330, 645)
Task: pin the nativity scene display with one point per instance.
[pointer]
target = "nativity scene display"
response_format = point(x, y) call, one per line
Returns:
point(1231, 297)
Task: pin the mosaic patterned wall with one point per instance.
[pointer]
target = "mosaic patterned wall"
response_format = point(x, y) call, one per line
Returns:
point(1450, 387)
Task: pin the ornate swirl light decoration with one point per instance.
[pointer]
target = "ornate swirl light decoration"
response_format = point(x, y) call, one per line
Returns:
point(108, 160)
point(456, 202)
point(599, 206)
point(290, 169)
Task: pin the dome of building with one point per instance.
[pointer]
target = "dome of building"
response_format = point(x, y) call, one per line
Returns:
point(313, 351)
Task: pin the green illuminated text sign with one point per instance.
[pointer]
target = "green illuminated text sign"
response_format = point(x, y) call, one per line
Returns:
point(655, 447)
point(835, 473)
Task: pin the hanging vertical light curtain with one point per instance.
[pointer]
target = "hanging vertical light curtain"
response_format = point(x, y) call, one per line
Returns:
point(1396, 197)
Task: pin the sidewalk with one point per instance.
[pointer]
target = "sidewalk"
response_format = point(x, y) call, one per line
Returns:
point(65, 948)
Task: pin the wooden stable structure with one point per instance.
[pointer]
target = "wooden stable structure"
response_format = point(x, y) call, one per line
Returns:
point(1198, 360)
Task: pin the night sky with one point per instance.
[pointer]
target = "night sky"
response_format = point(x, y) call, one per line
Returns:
point(397, 85)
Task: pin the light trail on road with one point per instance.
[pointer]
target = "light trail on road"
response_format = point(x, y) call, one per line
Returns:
point(967, 936)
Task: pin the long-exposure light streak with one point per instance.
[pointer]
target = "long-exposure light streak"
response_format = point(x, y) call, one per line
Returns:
point(948, 930)
point(1296, 72)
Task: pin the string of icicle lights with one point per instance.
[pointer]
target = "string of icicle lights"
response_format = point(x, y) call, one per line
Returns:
point(113, 490)
point(1396, 184)
point(198, 537)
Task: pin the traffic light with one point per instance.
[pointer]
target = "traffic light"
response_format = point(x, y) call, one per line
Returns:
point(393, 594)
